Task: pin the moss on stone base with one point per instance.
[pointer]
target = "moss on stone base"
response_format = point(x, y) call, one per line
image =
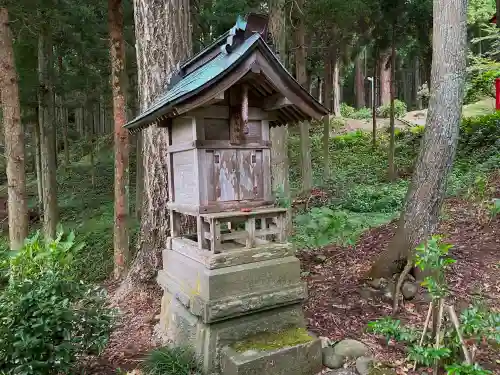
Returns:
point(272, 341)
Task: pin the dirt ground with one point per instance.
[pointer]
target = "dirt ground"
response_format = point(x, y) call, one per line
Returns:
point(335, 308)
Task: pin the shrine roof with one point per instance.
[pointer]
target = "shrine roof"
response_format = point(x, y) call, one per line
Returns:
point(239, 53)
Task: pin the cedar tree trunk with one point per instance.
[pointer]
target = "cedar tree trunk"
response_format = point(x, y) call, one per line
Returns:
point(392, 143)
point(163, 39)
point(279, 135)
point(326, 120)
point(14, 137)
point(427, 190)
point(47, 133)
point(359, 82)
point(301, 74)
point(385, 78)
point(121, 143)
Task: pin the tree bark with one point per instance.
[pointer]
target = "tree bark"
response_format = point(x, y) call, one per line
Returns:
point(14, 137)
point(359, 82)
point(163, 39)
point(121, 142)
point(385, 78)
point(427, 190)
point(47, 133)
point(279, 135)
point(417, 80)
point(336, 85)
point(38, 164)
point(327, 74)
point(373, 92)
point(392, 174)
point(301, 75)
point(139, 176)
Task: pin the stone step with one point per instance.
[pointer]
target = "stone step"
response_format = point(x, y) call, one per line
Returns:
point(299, 359)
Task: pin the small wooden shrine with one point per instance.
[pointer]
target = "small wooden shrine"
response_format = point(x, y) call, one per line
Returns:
point(218, 111)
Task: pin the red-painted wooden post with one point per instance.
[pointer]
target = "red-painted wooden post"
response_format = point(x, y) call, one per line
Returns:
point(497, 94)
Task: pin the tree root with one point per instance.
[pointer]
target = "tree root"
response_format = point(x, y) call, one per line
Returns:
point(397, 292)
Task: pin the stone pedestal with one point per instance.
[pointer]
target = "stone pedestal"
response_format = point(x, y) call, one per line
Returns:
point(212, 301)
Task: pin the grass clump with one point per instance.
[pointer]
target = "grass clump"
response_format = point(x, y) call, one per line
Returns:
point(272, 341)
point(171, 361)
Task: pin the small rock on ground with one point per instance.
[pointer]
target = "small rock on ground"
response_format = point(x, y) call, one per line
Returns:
point(409, 290)
point(364, 365)
point(349, 348)
point(330, 359)
point(341, 371)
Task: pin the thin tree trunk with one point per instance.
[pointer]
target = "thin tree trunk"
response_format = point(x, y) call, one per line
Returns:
point(327, 74)
point(385, 78)
point(336, 85)
point(159, 50)
point(14, 137)
point(119, 88)
point(392, 131)
point(427, 190)
point(279, 135)
point(417, 99)
point(359, 80)
point(65, 137)
point(373, 92)
point(301, 74)
point(47, 133)
point(38, 164)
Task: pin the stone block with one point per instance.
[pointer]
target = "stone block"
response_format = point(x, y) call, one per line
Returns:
point(300, 359)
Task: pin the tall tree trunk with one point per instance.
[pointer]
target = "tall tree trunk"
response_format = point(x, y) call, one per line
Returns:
point(427, 190)
point(418, 83)
point(139, 176)
point(163, 39)
point(119, 88)
point(392, 174)
point(301, 74)
point(359, 80)
point(336, 85)
point(14, 137)
point(279, 135)
point(47, 133)
point(373, 93)
point(385, 78)
point(38, 163)
point(327, 74)
point(65, 137)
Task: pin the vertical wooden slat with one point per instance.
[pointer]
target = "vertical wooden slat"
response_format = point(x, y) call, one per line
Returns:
point(235, 119)
point(215, 232)
point(250, 228)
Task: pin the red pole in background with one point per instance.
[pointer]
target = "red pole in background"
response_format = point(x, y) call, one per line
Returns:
point(497, 94)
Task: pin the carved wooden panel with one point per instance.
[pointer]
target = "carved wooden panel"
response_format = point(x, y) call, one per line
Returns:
point(250, 174)
point(185, 186)
point(225, 175)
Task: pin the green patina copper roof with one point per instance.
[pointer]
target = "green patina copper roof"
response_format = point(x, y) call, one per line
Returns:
point(196, 80)
point(233, 49)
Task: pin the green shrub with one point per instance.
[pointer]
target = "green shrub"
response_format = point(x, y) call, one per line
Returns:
point(376, 198)
point(171, 361)
point(400, 109)
point(346, 110)
point(362, 114)
point(49, 318)
point(479, 134)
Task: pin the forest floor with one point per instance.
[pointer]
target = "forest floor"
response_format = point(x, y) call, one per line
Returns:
point(336, 308)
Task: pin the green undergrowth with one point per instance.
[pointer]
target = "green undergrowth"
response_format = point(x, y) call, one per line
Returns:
point(272, 341)
point(358, 193)
point(85, 199)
